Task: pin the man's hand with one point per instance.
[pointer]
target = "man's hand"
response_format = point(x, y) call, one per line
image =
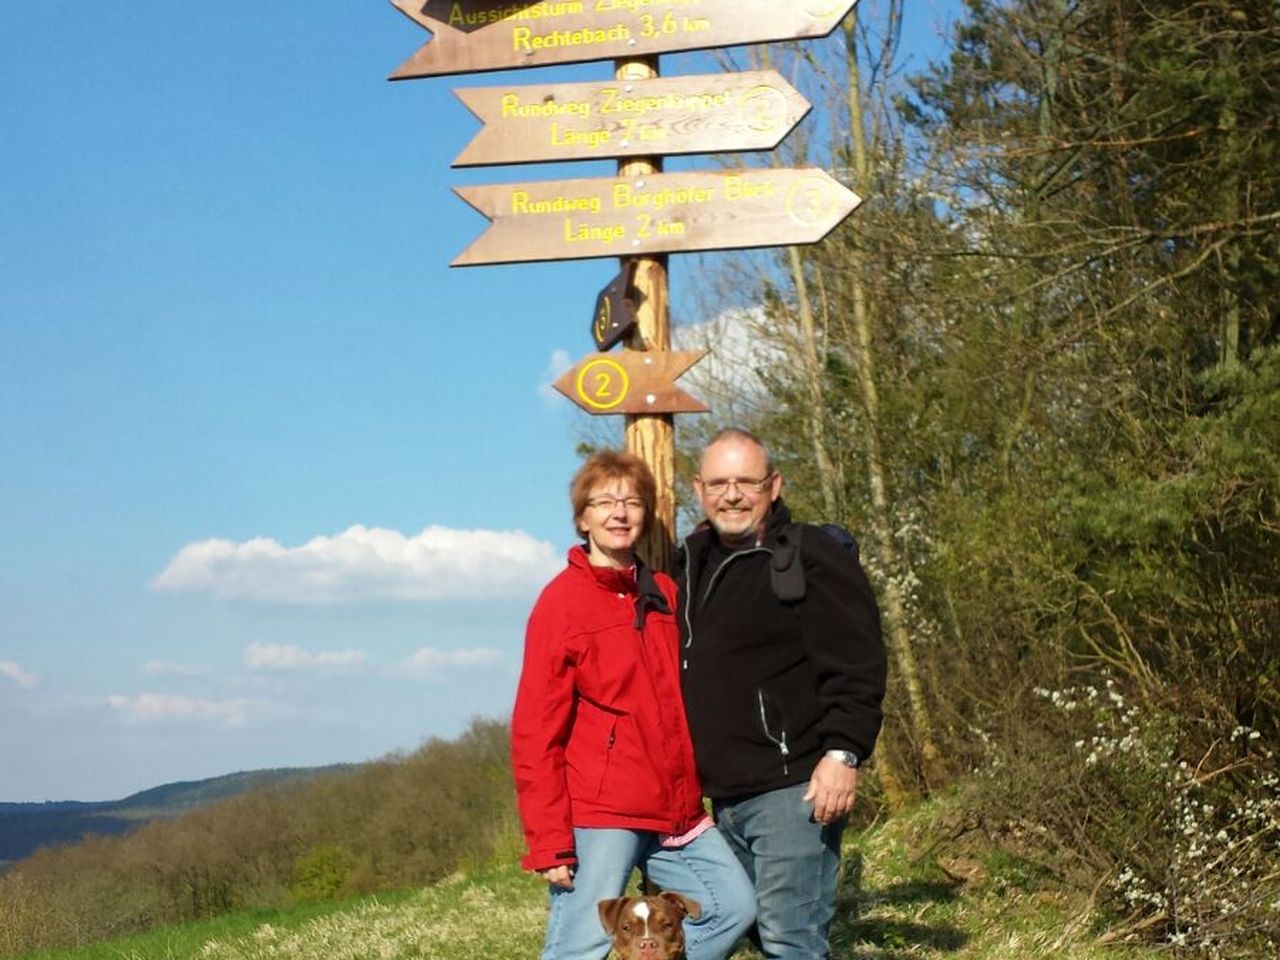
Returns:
point(832, 789)
point(561, 876)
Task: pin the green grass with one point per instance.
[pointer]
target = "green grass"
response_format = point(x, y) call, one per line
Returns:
point(901, 899)
point(186, 941)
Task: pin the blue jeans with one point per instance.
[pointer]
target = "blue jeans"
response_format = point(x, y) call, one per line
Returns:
point(793, 862)
point(704, 870)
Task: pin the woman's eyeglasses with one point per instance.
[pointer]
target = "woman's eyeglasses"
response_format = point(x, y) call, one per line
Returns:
point(632, 504)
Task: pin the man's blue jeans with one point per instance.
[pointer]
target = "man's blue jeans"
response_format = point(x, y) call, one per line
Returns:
point(703, 869)
point(793, 862)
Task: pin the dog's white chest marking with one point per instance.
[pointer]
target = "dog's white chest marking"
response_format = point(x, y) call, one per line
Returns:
point(641, 910)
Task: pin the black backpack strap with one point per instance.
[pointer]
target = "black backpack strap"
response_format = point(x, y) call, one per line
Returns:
point(843, 537)
point(786, 567)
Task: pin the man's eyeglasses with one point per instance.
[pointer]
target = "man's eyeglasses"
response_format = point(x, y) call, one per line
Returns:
point(610, 503)
point(746, 486)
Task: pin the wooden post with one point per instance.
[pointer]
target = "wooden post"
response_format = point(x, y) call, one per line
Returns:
point(652, 436)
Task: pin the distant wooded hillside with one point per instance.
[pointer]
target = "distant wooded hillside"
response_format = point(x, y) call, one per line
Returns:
point(26, 827)
point(264, 839)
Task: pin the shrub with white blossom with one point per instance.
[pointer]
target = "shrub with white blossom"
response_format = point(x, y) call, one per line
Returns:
point(1187, 814)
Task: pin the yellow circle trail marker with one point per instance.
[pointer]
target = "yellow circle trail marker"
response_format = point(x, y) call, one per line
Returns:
point(632, 382)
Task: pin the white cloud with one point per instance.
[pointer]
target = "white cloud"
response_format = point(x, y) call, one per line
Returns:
point(366, 563)
point(557, 366)
point(151, 707)
point(167, 668)
point(740, 344)
point(430, 660)
point(266, 656)
point(19, 676)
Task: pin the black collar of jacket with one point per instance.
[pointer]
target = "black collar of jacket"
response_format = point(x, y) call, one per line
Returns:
point(697, 543)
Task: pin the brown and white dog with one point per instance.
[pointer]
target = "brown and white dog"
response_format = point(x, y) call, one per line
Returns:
point(650, 927)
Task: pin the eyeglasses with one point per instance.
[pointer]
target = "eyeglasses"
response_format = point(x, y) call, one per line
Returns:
point(609, 504)
point(747, 487)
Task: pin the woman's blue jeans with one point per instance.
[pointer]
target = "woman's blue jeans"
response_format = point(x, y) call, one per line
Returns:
point(793, 862)
point(704, 870)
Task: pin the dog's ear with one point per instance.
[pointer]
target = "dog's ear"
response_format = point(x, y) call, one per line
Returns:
point(610, 911)
point(686, 905)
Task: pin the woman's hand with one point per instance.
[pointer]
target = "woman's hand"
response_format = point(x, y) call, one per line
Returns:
point(561, 876)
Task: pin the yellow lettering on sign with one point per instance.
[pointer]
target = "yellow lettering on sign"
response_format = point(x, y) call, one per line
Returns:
point(525, 40)
point(634, 5)
point(737, 188)
point(648, 226)
point(593, 233)
point(514, 107)
point(624, 196)
point(523, 203)
point(676, 102)
point(458, 17)
point(579, 138)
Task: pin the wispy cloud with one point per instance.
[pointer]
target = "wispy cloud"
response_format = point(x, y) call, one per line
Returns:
point(366, 563)
point(741, 344)
point(159, 707)
point(14, 672)
point(559, 362)
point(431, 660)
point(269, 656)
point(167, 668)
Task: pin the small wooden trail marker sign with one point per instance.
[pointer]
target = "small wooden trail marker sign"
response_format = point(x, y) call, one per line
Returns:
point(471, 36)
point(753, 110)
point(614, 318)
point(661, 213)
point(632, 382)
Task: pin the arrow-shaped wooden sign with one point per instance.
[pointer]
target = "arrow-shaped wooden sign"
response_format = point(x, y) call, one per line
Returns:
point(470, 36)
point(662, 213)
point(632, 382)
point(670, 115)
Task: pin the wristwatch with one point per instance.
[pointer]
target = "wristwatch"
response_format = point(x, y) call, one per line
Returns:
point(847, 757)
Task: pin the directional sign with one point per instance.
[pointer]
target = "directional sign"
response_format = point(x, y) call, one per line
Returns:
point(471, 36)
point(670, 115)
point(615, 313)
point(665, 212)
point(632, 382)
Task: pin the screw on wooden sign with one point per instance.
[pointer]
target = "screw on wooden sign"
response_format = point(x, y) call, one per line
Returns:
point(470, 36)
point(631, 382)
point(661, 213)
point(752, 110)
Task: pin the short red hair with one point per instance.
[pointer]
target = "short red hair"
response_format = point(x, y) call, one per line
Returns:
point(607, 465)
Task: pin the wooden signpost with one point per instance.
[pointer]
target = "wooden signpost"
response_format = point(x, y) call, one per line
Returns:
point(642, 214)
point(632, 382)
point(590, 121)
point(472, 36)
point(661, 213)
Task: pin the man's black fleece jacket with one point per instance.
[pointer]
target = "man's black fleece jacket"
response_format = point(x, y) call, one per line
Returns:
point(770, 686)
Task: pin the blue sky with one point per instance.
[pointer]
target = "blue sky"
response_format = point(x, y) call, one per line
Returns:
point(277, 485)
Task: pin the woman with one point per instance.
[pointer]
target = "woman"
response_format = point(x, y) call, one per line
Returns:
point(603, 764)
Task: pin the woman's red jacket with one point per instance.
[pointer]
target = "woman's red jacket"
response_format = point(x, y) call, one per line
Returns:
point(598, 733)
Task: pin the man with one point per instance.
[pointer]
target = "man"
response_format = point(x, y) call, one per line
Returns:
point(783, 698)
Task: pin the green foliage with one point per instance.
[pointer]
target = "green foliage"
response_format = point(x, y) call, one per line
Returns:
point(913, 886)
point(390, 825)
point(1066, 468)
point(322, 872)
